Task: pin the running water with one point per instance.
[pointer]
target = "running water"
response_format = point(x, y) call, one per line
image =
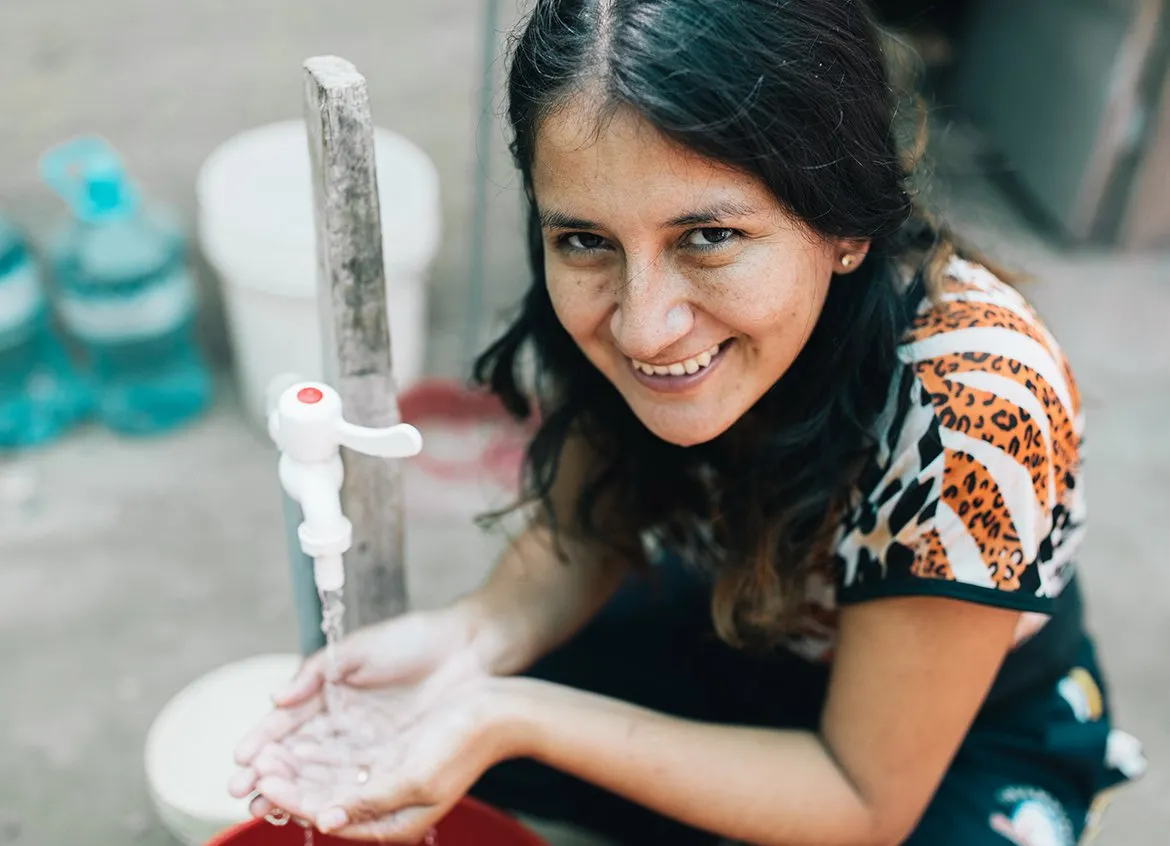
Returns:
point(333, 627)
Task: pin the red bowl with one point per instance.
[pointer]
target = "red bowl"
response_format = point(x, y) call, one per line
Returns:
point(470, 823)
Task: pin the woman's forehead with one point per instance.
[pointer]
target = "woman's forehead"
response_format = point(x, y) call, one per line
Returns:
point(620, 162)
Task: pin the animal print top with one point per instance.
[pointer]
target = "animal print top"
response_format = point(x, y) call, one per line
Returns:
point(975, 491)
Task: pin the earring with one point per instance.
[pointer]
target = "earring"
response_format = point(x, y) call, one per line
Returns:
point(847, 261)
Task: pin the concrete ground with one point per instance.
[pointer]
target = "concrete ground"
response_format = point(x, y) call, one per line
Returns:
point(135, 567)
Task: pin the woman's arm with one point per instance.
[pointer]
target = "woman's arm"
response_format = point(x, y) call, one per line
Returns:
point(533, 601)
point(537, 598)
point(908, 678)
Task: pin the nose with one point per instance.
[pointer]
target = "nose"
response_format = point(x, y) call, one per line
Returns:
point(652, 312)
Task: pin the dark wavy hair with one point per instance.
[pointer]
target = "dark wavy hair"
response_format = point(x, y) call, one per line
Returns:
point(798, 94)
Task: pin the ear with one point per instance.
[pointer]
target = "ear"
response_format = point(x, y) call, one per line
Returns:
point(849, 254)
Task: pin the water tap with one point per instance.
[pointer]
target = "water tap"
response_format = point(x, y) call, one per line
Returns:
point(307, 426)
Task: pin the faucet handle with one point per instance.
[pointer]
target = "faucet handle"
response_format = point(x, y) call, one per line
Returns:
point(307, 425)
point(399, 441)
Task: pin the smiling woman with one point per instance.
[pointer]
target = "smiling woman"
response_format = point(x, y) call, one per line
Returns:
point(648, 273)
point(807, 483)
point(673, 214)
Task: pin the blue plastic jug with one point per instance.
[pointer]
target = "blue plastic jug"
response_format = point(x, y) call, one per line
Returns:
point(40, 393)
point(125, 293)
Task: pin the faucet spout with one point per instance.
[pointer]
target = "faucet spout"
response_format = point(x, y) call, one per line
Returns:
point(328, 573)
point(307, 426)
point(326, 533)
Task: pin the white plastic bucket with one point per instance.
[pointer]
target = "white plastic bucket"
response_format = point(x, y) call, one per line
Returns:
point(256, 229)
point(189, 748)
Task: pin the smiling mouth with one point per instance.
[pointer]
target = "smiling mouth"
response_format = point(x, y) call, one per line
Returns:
point(679, 374)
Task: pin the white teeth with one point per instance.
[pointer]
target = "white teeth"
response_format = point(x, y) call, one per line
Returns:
point(686, 367)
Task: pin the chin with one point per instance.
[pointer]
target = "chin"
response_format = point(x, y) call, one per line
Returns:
point(677, 429)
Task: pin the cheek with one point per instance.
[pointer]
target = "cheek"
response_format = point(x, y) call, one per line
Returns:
point(766, 297)
point(576, 302)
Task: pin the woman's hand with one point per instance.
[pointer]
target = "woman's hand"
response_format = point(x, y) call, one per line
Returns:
point(417, 658)
point(402, 650)
point(531, 603)
point(389, 768)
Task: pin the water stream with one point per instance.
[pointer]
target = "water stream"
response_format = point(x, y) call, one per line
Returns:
point(333, 627)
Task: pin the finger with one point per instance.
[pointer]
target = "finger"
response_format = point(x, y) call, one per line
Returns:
point(339, 777)
point(408, 826)
point(289, 796)
point(274, 727)
point(335, 753)
point(242, 782)
point(348, 659)
point(260, 806)
point(307, 680)
point(372, 801)
point(275, 760)
point(338, 769)
point(352, 661)
point(317, 728)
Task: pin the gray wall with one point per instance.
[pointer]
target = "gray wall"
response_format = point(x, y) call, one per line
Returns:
point(1056, 87)
point(168, 80)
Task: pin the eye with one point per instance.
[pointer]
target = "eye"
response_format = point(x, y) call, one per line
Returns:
point(582, 242)
point(709, 238)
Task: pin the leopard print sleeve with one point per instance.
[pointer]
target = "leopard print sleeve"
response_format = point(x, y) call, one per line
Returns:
point(975, 490)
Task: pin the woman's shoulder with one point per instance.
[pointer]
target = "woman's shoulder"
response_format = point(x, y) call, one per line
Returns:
point(974, 488)
point(976, 337)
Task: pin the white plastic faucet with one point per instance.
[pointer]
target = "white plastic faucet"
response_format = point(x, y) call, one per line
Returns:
point(307, 426)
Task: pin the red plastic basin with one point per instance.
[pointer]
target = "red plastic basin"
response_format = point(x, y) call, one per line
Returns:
point(470, 823)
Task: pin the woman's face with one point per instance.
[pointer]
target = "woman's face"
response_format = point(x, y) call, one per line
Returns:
point(681, 279)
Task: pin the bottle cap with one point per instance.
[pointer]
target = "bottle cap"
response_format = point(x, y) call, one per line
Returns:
point(88, 175)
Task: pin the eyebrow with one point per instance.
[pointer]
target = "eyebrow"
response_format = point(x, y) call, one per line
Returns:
point(553, 219)
point(714, 213)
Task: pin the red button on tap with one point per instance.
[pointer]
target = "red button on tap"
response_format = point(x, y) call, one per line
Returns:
point(310, 395)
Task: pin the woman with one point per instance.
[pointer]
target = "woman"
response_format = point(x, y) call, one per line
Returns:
point(807, 485)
